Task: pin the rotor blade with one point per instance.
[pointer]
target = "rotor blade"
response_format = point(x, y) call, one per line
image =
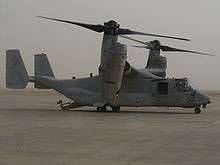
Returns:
point(164, 48)
point(130, 32)
point(170, 49)
point(145, 43)
point(145, 47)
point(97, 28)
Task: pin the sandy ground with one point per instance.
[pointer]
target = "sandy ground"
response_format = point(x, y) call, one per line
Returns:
point(33, 131)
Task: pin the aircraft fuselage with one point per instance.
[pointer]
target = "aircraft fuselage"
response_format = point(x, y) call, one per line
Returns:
point(134, 92)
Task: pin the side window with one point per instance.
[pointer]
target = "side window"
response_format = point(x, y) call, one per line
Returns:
point(162, 88)
point(181, 86)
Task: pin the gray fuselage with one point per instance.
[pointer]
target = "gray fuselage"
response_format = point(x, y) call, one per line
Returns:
point(134, 92)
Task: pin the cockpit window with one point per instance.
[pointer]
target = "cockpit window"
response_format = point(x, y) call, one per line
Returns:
point(182, 85)
point(191, 85)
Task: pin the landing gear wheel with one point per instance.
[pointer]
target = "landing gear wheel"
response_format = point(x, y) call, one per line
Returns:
point(115, 108)
point(197, 110)
point(64, 108)
point(101, 109)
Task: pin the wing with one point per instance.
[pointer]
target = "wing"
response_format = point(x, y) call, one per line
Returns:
point(132, 72)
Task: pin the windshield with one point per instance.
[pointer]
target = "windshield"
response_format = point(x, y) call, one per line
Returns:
point(191, 84)
point(182, 85)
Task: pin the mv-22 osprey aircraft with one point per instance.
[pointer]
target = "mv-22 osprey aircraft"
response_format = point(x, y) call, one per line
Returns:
point(118, 84)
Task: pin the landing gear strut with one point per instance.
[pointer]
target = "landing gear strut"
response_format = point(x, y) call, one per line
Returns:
point(63, 106)
point(197, 110)
point(68, 105)
point(115, 108)
point(101, 109)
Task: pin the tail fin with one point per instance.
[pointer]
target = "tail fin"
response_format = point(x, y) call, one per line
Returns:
point(16, 73)
point(42, 68)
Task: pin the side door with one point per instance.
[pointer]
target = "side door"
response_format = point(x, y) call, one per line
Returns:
point(164, 93)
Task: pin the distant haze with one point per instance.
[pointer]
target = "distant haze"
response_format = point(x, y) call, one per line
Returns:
point(74, 51)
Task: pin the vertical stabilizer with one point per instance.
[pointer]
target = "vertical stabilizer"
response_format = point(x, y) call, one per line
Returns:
point(16, 73)
point(42, 66)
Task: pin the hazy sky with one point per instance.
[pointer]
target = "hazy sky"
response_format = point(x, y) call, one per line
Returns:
point(76, 51)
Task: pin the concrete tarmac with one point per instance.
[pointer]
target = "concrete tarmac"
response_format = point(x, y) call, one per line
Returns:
point(33, 132)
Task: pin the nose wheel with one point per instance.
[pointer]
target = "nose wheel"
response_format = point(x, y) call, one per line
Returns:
point(197, 110)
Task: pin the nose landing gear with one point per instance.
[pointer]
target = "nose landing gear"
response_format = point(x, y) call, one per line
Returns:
point(204, 106)
point(197, 110)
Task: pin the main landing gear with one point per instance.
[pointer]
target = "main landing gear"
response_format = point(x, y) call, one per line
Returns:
point(104, 109)
point(115, 108)
point(101, 109)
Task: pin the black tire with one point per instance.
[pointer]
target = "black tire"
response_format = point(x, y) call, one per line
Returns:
point(64, 108)
point(98, 109)
point(115, 108)
point(101, 109)
point(197, 110)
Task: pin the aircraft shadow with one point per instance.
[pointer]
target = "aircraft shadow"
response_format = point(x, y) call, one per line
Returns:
point(95, 111)
point(135, 112)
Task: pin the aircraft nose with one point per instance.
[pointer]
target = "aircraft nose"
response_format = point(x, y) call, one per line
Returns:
point(204, 98)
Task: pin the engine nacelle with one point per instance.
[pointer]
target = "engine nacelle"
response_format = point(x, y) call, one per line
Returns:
point(127, 68)
point(112, 71)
